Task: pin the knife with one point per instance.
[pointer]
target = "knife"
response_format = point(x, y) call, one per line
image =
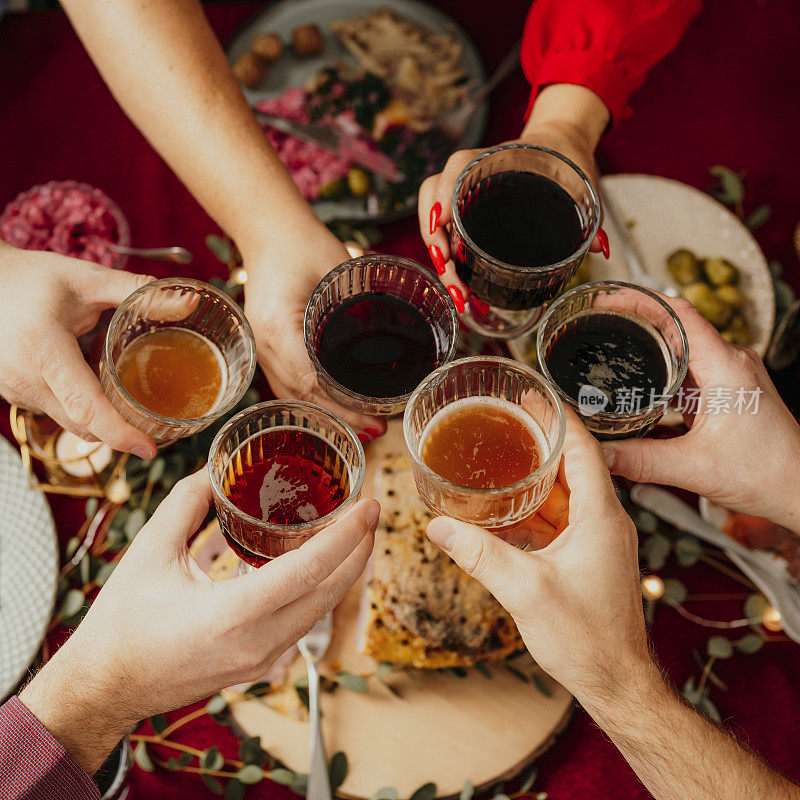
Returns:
point(335, 141)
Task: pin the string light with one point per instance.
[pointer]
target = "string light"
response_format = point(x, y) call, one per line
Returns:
point(239, 275)
point(652, 587)
point(771, 619)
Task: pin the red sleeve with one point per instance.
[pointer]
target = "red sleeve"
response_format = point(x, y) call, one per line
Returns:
point(607, 46)
point(33, 765)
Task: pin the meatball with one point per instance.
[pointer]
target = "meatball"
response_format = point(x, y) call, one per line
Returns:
point(249, 70)
point(268, 46)
point(307, 40)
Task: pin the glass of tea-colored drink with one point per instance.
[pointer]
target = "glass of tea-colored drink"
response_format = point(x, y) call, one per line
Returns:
point(616, 353)
point(375, 326)
point(523, 219)
point(485, 436)
point(178, 355)
point(281, 472)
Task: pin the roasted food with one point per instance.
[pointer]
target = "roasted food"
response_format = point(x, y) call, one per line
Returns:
point(683, 266)
point(719, 271)
point(420, 608)
point(737, 331)
point(268, 46)
point(307, 41)
point(706, 301)
point(250, 70)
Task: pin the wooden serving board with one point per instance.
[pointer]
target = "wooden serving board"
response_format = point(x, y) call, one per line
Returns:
point(441, 729)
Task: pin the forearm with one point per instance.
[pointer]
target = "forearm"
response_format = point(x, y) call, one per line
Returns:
point(165, 66)
point(675, 751)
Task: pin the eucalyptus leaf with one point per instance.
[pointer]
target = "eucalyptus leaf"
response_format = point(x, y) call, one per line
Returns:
point(646, 521)
point(156, 471)
point(467, 790)
point(85, 569)
point(425, 792)
point(299, 784)
point(387, 793)
point(541, 796)
point(655, 550)
point(302, 695)
point(755, 606)
point(529, 779)
point(758, 216)
point(709, 708)
point(234, 790)
point(501, 796)
point(731, 184)
point(776, 269)
point(674, 592)
point(383, 669)
point(212, 759)
point(220, 248)
point(354, 683)
point(212, 784)
point(172, 764)
point(72, 546)
point(216, 705)
point(142, 758)
point(688, 551)
point(251, 752)
point(541, 685)
point(691, 692)
point(159, 723)
point(719, 647)
point(104, 572)
point(250, 774)
point(71, 604)
point(184, 759)
point(91, 507)
point(282, 776)
point(337, 770)
point(134, 523)
point(749, 643)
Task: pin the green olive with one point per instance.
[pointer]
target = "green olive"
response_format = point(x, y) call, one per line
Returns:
point(737, 331)
point(357, 182)
point(718, 271)
point(705, 300)
point(683, 266)
point(731, 295)
point(333, 189)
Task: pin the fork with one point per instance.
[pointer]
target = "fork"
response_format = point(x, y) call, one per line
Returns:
point(312, 647)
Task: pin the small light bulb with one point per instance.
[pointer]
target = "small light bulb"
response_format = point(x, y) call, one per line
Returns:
point(354, 248)
point(118, 491)
point(771, 619)
point(652, 587)
point(240, 275)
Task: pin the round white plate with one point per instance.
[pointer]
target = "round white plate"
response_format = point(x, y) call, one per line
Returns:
point(28, 568)
point(661, 215)
point(290, 70)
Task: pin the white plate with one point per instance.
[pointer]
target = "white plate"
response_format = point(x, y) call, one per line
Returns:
point(290, 70)
point(667, 215)
point(28, 568)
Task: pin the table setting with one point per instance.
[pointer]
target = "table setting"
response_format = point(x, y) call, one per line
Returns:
point(418, 684)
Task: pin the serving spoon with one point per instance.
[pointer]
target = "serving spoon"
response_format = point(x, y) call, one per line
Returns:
point(769, 575)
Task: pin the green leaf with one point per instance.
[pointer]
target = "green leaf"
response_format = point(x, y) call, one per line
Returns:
point(730, 183)
point(541, 685)
point(134, 523)
point(484, 670)
point(302, 695)
point(282, 776)
point(467, 790)
point(216, 705)
point(184, 759)
point(234, 790)
point(72, 547)
point(212, 784)
point(355, 683)
point(299, 784)
point(159, 723)
point(71, 604)
point(91, 507)
point(655, 550)
point(709, 708)
point(688, 550)
point(501, 796)
point(755, 606)
point(337, 770)
point(758, 216)
point(691, 692)
point(674, 592)
point(749, 643)
point(776, 268)
point(425, 792)
point(646, 521)
point(212, 759)
point(250, 751)
point(104, 572)
point(387, 793)
point(529, 779)
point(156, 471)
point(541, 796)
point(220, 248)
point(250, 774)
point(142, 758)
point(719, 647)
point(172, 764)
point(517, 673)
point(383, 669)
point(85, 569)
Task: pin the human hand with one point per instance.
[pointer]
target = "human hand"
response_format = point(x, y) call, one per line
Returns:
point(161, 634)
point(48, 301)
point(567, 119)
point(577, 603)
point(279, 284)
point(745, 461)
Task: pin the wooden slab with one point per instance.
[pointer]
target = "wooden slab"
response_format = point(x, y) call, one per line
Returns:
point(441, 729)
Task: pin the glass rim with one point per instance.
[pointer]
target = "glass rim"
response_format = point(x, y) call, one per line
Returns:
point(584, 288)
point(354, 263)
point(554, 267)
point(552, 457)
point(229, 302)
point(277, 528)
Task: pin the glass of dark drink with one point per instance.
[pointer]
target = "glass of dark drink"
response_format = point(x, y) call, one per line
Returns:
point(178, 355)
point(281, 472)
point(374, 327)
point(523, 219)
point(616, 353)
point(485, 436)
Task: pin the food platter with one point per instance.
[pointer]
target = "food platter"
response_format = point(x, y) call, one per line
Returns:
point(662, 215)
point(292, 71)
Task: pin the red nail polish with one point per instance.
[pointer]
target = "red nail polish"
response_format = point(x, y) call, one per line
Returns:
point(373, 432)
point(437, 258)
point(603, 237)
point(436, 212)
point(478, 305)
point(363, 438)
point(458, 298)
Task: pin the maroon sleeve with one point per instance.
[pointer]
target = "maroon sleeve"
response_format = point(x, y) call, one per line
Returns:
point(607, 46)
point(33, 765)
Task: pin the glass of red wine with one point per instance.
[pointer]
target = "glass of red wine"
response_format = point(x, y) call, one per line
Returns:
point(523, 219)
point(616, 353)
point(485, 436)
point(281, 472)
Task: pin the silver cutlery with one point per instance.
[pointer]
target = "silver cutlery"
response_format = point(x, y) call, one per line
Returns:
point(177, 255)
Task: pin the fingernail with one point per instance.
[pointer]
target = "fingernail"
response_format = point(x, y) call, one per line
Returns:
point(436, 212)
point(442, 533)
point(458, 298)
point(603, 237)
point(373, 432)
point(144, 452)
point(364, 439)
point(371, 513)
point(610, 456)
point(437, 258)
point(478, 305)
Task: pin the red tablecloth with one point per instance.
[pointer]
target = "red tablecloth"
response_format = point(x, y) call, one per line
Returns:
point(728, 95)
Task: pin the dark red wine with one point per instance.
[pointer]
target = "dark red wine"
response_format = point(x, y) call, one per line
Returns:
point(622, 357)
point(524, 220)
point(284, 476)
point(378, 344)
